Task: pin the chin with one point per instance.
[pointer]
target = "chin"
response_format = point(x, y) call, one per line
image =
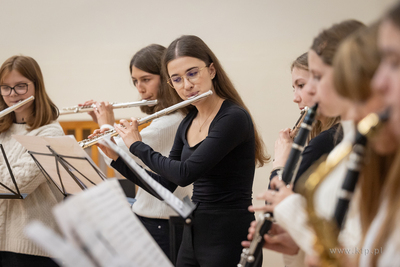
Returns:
point(386, 141)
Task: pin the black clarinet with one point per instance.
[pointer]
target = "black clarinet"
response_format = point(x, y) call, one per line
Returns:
point(365, 128)
point(252, 255)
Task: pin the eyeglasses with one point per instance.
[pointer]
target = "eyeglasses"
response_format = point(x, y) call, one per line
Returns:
point(19, 89)
point(191, 75)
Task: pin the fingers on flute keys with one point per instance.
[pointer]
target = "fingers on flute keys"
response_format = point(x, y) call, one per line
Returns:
point(98, 132)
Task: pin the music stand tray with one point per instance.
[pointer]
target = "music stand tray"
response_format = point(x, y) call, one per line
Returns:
point(63, 162)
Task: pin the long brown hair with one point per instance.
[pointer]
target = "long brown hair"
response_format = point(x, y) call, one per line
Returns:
point(193, 46)
point(44, 110)
point(392, 183)
point(354, 66)
point(148, 59)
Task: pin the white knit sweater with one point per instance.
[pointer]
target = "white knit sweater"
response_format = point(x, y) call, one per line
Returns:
point(15, 214)
point(291, 214)
point(159, 135)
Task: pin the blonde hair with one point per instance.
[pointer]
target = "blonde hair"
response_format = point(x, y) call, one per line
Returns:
point(392, 184)
point(44, 110)
point(391, 191)
point(354, 66)
point(302, 63)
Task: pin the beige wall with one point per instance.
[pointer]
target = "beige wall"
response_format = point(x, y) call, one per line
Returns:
point(84, 47)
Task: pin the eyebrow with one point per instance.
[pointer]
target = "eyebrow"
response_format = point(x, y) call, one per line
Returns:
point(296, 82)
point(390, 52)
point(141, 77)
point(15, 83)
point(185, 71)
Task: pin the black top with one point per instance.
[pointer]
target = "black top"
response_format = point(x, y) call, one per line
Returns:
point(221, 167)
point(318, 146)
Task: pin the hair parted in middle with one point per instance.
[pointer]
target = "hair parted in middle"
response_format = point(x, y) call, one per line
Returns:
point(44, 110)
point(193, 46)
point(148, 59)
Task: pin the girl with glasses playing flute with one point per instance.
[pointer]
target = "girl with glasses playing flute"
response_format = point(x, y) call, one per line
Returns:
point(20, 78)
point(145, 69)
point(216, 148)
point(288, 207)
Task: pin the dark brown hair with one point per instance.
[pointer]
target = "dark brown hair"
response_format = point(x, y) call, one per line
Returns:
point(394, 15)
point(193, 46)
point(44, 110)
point(148, 59)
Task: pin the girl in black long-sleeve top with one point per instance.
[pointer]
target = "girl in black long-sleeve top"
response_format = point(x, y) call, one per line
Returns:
point(216, 148)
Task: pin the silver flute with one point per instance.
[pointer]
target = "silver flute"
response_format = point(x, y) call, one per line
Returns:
point(14, 107)
point(88, 108)
point(91, 141)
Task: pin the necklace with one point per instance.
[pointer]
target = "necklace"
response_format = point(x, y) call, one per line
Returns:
point(207, 118)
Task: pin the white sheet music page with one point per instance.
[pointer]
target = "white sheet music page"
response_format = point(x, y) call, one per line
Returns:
point(175, 203)
point(64, 253)
point(100, 221)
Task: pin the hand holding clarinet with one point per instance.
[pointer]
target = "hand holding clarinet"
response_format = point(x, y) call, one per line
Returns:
point(252, 255)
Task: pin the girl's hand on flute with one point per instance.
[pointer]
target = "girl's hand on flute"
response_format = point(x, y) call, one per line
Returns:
point(106, 150)
point(104, 113)
point(283, 145)
point(91, 113)
point(128, 131)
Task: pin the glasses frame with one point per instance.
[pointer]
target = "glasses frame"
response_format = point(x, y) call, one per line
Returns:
point(169, 81)
point(13, 88)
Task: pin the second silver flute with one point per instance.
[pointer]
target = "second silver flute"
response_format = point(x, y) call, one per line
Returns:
point(88, 108)
point(89, 142)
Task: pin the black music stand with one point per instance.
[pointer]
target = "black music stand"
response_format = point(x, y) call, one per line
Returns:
point(12, 194)
point(62, 160)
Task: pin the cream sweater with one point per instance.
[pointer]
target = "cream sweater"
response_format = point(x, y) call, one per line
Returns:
point(389, 254)
point(159, 135)
point(291, 214)
point(15, 214)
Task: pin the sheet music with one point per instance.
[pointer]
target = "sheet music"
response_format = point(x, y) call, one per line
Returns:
point(65, 254)
point(100, 223)
point(184, 209)
point(64, 146)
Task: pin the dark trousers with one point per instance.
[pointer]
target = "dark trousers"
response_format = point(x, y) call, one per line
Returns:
point(11, 259)
point(214, 239)
point(159, 230)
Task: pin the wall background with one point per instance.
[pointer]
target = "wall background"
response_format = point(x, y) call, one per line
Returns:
point(84, 48)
